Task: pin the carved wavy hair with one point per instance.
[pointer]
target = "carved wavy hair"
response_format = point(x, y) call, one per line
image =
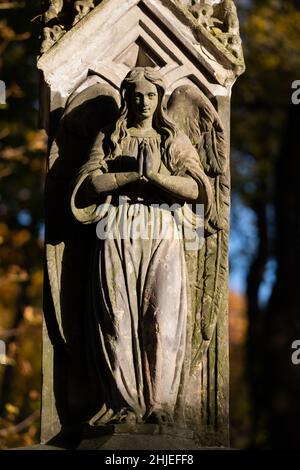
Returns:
point(161, 123)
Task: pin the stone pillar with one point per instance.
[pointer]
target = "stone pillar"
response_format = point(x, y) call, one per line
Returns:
point(195, 46)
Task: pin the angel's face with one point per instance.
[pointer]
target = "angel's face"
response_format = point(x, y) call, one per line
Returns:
point(144, 99)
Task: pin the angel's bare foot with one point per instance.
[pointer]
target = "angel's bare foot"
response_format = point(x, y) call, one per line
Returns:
point(124, 416)
point(158, 416)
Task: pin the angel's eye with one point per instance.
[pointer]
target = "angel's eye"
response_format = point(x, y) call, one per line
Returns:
point(152, 95)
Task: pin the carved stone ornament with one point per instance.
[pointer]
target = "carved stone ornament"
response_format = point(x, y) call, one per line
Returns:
point(136, 102)
point(217, 17)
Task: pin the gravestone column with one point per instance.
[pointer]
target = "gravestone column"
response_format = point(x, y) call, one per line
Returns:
point(190, 52)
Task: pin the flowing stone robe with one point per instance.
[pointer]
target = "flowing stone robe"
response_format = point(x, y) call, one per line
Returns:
point(139, 327)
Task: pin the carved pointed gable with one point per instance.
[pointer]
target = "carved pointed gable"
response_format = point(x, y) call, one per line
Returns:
point(141, 55)
point(118, 35)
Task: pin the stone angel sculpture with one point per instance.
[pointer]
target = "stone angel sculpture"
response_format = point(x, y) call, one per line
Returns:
point(134, 315)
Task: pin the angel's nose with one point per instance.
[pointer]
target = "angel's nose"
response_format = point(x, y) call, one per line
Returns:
point(146, 100)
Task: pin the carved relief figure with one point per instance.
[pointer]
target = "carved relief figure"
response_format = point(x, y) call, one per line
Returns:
point(55, 7)
point(228, 33)
point(221, 19)
point(136, 102)
point(82, 7)
point(230, 20)
point(53, 29)
point(55, 19)
point(204, 14)
point(146, 329)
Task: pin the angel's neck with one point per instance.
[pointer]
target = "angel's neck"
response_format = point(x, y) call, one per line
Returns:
point(144, 124)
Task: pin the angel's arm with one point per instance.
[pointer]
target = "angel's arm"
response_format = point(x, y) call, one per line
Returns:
point(182, 187)
point(99, 183)
point(99, 180)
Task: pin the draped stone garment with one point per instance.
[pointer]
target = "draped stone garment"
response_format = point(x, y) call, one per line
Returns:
point(139, 288)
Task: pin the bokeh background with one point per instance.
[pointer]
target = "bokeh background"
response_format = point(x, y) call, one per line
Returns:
point(265, 233)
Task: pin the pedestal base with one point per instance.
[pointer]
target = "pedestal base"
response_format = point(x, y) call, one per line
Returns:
point(138, 437)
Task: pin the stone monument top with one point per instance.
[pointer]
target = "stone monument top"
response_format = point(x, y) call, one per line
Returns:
point(135, 97)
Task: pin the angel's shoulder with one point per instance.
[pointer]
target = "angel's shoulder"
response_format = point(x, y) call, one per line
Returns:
point(181, 136)
point(182, 141)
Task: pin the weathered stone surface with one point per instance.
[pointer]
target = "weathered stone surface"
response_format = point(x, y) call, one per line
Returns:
point(39, 447)
point(139, 437)
point(99, 367)
point(216, 18)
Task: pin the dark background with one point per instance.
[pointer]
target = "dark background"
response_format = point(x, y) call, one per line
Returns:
point(265, 234)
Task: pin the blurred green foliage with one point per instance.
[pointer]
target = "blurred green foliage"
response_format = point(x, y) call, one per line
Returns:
point(22, 163)
point(270, 31)
point(261, 108)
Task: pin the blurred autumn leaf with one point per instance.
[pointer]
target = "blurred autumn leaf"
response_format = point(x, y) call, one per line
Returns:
point(271, 41)
point(22, 163)
point(265, 170)
point(240, 416)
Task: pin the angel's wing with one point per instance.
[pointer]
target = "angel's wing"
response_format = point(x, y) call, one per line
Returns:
point(197, 118)
point(68, 244)
point(194, 114)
